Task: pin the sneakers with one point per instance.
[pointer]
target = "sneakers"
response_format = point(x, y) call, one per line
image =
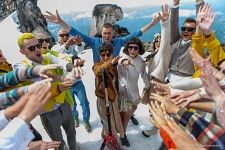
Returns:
point(148, 133)
point(87, 126)
point(134, 120)
point(125, 141)
point(76, 122)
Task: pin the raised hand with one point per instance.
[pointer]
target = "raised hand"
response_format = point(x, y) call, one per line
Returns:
point(55, 18)
point(171, 108)
point(164, 15)
point(158, 114)
point(115, 60)
point(181, 139)
point(205, 18)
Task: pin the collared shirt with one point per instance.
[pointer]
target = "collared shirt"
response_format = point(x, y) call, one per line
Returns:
point(16, 135)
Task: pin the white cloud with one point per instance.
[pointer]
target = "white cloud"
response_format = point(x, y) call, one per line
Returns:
point(87, 14)
point(68, 6)
point(187, 13)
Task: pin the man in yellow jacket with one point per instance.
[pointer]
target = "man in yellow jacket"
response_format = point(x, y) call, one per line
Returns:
point(58, 111)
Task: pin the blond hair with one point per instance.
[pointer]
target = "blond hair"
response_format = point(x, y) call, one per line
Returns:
point(23, 37)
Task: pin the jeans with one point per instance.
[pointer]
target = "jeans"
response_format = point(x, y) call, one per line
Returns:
point(78, 89)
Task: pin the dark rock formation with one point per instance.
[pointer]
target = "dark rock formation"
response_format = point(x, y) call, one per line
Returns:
point(6, 8)
point(106, 13)
point(30, 16)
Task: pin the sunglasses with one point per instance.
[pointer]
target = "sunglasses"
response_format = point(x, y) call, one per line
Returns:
point(189, 29)
point(136, 48)
point(105, 54)
point(220, 69)
point(64, 35)
point(44, 40)
point(33, 47)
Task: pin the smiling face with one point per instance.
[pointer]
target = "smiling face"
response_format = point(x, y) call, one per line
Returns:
point(31, 48)
point(107, 34)
point(188, 30)
point(133, 50)
point(106, 55)
point(63, 36)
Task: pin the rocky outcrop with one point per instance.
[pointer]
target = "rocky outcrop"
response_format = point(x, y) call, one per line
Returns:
point(6, 8)
point(30, 16)
point(106, 13)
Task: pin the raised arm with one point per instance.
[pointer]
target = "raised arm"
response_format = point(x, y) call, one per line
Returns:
point(154, 21)
point(159, 68)
point(55, 18)
point(175, 34)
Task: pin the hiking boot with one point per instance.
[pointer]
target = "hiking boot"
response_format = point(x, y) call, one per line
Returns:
point(76, 122)
point(148, 133)
point(87, 126)
point(134, 120)
point(125, 141)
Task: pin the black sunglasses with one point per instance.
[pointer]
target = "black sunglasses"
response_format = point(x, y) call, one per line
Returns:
point(64, 35)
point(44, 40)
point(189, 29)
point(33, 47)
point(105, 54)
point(136, 48)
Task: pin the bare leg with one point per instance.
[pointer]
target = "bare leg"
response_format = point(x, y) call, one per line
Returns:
point(127, 116)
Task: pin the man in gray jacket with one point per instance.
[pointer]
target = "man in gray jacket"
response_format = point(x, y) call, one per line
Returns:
point(181, 65)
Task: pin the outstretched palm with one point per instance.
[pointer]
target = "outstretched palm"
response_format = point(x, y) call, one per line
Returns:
point(54, 18)
point(205, 17)
point(164, 15)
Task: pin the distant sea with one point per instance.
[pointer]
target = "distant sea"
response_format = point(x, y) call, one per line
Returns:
point(135, 18)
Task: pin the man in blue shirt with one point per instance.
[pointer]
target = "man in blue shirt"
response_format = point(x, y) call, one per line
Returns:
point(107, 35)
